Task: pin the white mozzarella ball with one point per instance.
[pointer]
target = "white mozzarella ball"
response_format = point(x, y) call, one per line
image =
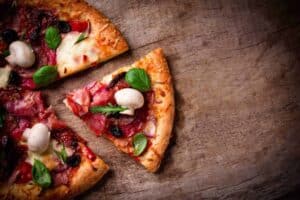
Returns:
point(21, 54)
point(130, 98)
point(38, 138)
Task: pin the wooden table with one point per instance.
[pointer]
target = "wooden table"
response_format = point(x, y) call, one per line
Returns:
point(235, 66)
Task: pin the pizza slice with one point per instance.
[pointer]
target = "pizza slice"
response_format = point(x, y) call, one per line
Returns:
point(133, 107)
point(43, 41)
point(41, 158)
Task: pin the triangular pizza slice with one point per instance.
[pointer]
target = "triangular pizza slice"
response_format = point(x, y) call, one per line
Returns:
point(133, 107)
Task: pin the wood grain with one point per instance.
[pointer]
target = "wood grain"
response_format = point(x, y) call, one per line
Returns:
point(235, 65)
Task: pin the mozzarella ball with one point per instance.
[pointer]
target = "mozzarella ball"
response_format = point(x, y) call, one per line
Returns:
point(21, 54)
point(38, 138)
point(130, 98)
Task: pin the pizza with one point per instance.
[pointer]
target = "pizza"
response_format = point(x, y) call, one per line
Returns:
point(133, 107)
point(41, 158)
point(42, 41)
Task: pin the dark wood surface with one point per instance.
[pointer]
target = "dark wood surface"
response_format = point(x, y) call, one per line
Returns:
point(235, 66)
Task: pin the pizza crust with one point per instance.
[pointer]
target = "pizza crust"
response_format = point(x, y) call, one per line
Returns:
point(86, 176)
point(106, 38)
point(163, 107)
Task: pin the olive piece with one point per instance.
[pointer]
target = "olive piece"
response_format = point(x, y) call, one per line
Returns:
point(14, 78)
point(34, 33)
point(63, 26)
point(9, 35)
point(74, 144)
point(73, 160)
point(116, 131)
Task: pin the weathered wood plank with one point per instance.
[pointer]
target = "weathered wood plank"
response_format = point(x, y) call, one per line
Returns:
point(237, 79)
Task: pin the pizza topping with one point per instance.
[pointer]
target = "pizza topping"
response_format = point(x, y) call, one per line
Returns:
point(61, 176)
point(4, 76)
point(116, 80)
point(107, 110)
point(52, 37)
point(3, 62)
point(79, 26)
point(139, 144)
point(79, 101)
point(45, 75)
point(27, 83)
point(150, 129)
point(9, 35)
point(21, 54)
point(81, 37)
point(4, 54)
point(88, 153)
point(115, 131)
point(138, 79)
point(68, 54)
point(23, 173)
point(14, 78)
point(38, 138)
point(129, 98)
point(74, 160)
point(63, 26)
point(96, 122)
point(29, 104)
point(62, 154)
point(41, 174)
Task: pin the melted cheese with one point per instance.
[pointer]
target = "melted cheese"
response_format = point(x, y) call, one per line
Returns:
point(4, 76)
point(73, 57)
point(48, 158)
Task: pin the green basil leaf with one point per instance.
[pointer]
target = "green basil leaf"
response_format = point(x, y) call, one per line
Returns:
point(2, 116)
point(52, 37)
point(139, 144)
point(81, 37)
point(138, 79)
point(62, 154)
point(6, 53)
point(45, 75)
point(109, 109)
point(41, 174)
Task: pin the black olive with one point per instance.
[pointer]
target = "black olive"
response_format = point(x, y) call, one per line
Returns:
point(115, 115)
point(116, 79)
point(74, 144)
point(14, 78)
point(115, 131)
point(63, 26)
point(2, 60)
point(73, 160)
point(9, 35)
point(34, 33)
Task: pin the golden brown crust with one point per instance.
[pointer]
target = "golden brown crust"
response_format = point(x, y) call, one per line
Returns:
point(87, 175)
point(108, 38)
point(163, 107)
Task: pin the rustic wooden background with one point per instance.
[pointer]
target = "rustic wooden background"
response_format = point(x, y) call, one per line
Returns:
point(235, 66)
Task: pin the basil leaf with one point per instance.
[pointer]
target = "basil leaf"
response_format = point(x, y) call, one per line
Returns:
point(109, 109)
point(139, 144)
point(45, 75)
point(41, 174)
point(6, 53)
point(81, 37)
point(62, 154)
point(138, 79)
point(52, 37)
point(2, 116)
